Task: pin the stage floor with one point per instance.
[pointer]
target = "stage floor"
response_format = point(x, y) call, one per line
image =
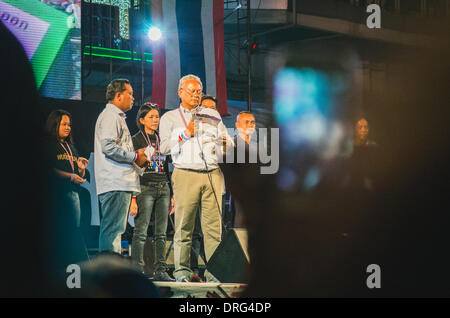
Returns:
point(199, 290)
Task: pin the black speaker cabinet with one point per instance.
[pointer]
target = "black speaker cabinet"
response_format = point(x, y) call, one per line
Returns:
point(230, 261)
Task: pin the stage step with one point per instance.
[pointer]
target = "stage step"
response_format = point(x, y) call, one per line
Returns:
point(200, 290)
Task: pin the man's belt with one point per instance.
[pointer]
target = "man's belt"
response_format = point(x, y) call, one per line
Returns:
point(198, 171)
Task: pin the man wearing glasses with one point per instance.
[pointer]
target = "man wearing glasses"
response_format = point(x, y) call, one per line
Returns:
point(196, 180)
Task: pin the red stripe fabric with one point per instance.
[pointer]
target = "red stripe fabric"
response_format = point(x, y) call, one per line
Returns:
point(159, 59)
point(219, 49)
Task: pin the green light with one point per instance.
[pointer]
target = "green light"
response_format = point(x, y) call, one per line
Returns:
point(99, 48)
point(117, 54)
point(117, 57)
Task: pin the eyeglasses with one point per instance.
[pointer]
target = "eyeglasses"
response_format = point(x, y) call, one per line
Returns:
point(198, 92)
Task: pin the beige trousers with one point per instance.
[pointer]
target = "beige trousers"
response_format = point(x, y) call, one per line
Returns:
point(191, 190)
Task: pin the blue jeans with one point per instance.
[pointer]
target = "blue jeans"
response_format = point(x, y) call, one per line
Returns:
point(114, 212)
point(153, 195)
point(72, 199)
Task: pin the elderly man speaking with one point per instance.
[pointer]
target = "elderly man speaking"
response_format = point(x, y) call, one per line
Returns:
point(196, 180)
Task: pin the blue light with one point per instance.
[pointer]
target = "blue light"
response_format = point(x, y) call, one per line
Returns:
point(312, 178)
point(302, 100)
point(286, 179)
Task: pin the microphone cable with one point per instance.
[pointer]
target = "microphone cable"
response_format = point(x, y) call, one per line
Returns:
point(202, 155)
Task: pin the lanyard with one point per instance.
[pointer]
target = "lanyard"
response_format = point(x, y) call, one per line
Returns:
point(182, 117)
point(69, 155)
point(147, 139)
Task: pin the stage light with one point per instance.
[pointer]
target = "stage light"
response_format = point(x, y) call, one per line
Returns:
point(154, 34)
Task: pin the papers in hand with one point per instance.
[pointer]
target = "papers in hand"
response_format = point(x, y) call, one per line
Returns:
point(149, 151)
point(207, 116)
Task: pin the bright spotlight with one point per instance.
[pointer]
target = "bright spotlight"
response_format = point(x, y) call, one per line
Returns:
point(154, 34)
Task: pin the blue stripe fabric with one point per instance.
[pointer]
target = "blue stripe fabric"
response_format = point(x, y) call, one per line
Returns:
point(190, 35)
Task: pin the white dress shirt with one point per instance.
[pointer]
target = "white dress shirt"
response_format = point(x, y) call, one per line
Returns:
point(187, 154)
point(114, 153)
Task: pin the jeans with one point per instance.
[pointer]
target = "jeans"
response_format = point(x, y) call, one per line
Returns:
point(72, 200)
point(114, 211)
point(153, 195)
point(68, 245)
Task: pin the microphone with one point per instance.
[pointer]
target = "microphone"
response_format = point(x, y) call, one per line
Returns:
point(194, 119)
point(194, 112)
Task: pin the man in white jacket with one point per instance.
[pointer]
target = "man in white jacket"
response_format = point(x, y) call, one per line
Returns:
point(196, 180)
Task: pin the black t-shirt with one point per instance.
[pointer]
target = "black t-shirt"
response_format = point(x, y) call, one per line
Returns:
point(58, 158)
point(158, 170)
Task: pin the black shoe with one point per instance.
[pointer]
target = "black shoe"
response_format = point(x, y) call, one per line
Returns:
point(162, 277)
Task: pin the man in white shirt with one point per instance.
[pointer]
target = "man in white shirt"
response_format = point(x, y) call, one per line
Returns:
point(115, 164)
point(196, 180)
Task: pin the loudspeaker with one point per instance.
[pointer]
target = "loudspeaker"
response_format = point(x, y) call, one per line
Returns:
point(230, 261)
